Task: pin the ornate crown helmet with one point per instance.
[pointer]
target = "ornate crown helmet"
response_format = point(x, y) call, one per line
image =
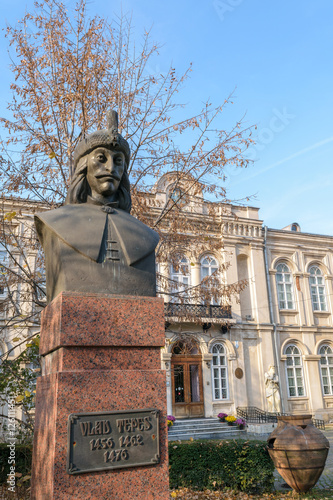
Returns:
point(107, 138)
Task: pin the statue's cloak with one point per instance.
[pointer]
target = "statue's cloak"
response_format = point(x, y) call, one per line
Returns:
point(97, 248)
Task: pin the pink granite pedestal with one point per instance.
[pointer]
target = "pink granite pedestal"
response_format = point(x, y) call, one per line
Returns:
point(101, 353)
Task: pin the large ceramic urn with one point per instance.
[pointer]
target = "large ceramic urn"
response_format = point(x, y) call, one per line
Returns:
point(298, 450)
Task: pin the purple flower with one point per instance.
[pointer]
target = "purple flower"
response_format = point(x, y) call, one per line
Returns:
point(171, 418)
point(240, 421)
point(222, 415)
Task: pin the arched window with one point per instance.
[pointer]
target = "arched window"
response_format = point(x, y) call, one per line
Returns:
point(176, 194)
point(179, 194)
point(284, 283)
point(317, 289)
point(220, 372)
point(295, 377)
point(209, 267)
point(181, 278)
point(326, 368)
point(183, 348)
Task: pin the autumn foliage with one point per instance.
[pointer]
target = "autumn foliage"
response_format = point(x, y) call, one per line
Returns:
point(68, 70)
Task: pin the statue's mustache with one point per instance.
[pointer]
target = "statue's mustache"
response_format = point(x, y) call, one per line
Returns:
point(107, 174)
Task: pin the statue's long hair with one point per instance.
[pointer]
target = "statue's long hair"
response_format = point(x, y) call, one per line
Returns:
point(79, 188)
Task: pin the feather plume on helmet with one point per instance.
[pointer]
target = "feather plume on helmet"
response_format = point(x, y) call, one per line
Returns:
point(108, 138)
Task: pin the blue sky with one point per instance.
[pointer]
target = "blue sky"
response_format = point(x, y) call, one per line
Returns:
point(278, 58)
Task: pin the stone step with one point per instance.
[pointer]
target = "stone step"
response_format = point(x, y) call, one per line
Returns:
point(205, 428)
point(200, 425)
point(202, 428)
point(197, 421)
point(184, 436)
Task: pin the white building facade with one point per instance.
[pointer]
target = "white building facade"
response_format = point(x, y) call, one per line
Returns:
point(283, 319)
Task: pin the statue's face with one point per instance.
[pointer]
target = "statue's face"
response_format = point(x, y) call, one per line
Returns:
point(104, 172)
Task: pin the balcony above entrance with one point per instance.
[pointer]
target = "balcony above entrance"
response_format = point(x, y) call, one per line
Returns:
point(211, 313)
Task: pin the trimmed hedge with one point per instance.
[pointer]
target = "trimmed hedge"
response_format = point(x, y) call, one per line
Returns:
point(23, 459)
point(240, 465)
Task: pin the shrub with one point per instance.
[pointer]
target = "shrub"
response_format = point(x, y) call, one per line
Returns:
point(23, 458)
point(240, 465)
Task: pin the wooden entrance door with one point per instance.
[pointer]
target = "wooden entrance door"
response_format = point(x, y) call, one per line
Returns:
point(187, 386)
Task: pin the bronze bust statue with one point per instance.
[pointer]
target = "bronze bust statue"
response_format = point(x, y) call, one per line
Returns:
point(92, 243)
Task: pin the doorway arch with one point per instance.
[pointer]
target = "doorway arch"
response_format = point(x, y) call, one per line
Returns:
point(187, 387)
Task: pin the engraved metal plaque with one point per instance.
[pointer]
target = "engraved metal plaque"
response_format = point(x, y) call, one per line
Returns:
point(101, 441)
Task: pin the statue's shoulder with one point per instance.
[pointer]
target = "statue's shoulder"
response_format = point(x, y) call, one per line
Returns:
point(52, 216)
point(137, 239)
point(130, 226)
point(71, 223)
point(82, 227)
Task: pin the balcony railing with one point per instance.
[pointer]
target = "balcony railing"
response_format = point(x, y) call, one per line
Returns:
point(197, 310)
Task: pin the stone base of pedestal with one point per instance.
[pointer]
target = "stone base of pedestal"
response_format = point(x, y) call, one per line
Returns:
point(100, 354)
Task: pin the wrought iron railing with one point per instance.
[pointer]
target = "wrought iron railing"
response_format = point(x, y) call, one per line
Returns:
point(252, 414)
point(197, 310)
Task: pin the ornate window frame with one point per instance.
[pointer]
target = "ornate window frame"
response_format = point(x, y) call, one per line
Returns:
point(325, 352)
point(219, 371)
point(294, 371)
point(211, 269)
point(284, 286)
point(317, 289)
point(182, 277)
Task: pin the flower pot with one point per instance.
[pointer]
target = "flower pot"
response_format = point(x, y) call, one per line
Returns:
point(241, 427)
point(298, 450)
point(230, 423)
point(222, 419)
